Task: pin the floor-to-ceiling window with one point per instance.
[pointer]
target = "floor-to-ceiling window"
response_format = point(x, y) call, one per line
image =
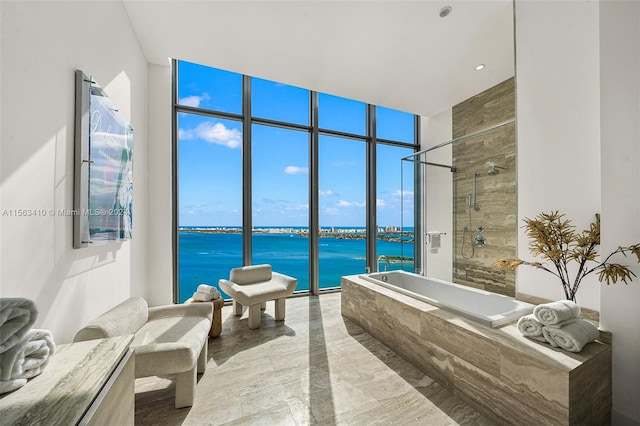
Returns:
point(342, 188)
point(395, 190)
point(209, 147)
point(280, 207)
point(280, 178)
point(302, 163)
point(395, 208)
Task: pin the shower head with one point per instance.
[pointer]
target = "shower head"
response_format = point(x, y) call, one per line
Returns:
point(493, 169)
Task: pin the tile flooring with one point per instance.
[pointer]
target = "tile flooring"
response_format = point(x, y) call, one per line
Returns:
point(314, 368)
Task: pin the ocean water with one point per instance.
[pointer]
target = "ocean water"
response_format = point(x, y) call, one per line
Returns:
point(205, 258)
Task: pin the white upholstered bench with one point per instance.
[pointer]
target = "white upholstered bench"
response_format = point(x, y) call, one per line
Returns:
point(253, 286)
point(169, 339)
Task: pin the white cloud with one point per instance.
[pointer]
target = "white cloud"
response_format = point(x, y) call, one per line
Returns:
point(327, 193)
point(380, 203)
point(344, 203)
point(299, 207)
point(331, 210)
point(193, 101)
point(295, 170)
point(399, 193)
point(194, 209)
point(216, 133)
point(196, 206)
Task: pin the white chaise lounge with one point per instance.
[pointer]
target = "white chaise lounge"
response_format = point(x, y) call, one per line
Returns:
point(169, 339)
point(253, 286)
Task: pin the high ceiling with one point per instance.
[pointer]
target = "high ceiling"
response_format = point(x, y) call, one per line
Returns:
point(399, 54)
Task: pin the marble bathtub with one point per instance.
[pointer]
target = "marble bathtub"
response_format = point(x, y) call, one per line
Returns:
point(487, 308)
point(502, 374)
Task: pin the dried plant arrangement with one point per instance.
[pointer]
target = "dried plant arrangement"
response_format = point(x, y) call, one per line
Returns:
point(555, 240)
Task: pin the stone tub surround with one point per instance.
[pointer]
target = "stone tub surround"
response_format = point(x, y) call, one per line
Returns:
point(499, 372)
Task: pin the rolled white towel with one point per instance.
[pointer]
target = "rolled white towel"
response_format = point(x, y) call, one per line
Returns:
point(216, 294)
point(11, 385)
point(25, 360)
point(209, 290)
point(571, 337)
point(530, 327)
point(556, 312)
point(17, 316)
point(563, 323)
point(198, 296)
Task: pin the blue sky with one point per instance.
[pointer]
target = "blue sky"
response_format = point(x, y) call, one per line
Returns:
point(210, 156)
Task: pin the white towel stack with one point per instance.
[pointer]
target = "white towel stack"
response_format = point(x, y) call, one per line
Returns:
point(560, 325)
point(206, 293)
point(24, 351)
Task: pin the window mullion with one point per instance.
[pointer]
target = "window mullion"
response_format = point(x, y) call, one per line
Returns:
point(314, 190)
point(418, 208)
point(174, 181)
point(371, 226)
point(247, 226)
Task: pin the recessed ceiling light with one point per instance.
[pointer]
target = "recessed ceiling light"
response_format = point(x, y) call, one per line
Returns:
point(479, 67)
point(445, 11)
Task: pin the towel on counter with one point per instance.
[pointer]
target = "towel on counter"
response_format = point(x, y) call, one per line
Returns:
point(530, 327)
point(17, 316)
point(556, 312)
point(563, 323)
point(571, 337)
point(209, 290)
point(25, 360)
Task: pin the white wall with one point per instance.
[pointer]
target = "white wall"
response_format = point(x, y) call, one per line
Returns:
point(620, 151)
point(160, 178)
point(558, 109)
point(42, 44)
point(578, 99)
point(438, 214)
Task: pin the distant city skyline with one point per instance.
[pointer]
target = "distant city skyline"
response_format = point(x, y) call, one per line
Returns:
point(287, 228)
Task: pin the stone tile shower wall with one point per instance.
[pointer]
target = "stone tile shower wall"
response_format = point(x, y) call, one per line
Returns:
point(496, 194)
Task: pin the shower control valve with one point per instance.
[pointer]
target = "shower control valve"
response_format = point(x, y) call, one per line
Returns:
point(479, 241)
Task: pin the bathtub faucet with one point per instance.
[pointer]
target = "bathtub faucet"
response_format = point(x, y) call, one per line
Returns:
point(387, 264)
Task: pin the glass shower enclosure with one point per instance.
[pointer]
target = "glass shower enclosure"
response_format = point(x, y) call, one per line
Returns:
point(467, 208)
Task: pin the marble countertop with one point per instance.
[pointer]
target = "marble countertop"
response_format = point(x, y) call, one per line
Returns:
point(67, 386)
